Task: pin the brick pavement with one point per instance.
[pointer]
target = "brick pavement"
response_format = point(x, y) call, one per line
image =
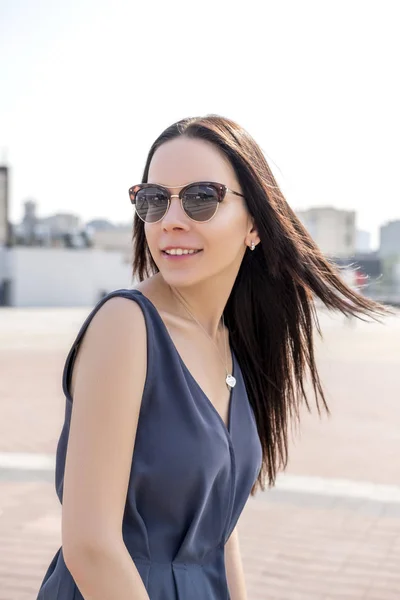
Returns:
point(295, 546)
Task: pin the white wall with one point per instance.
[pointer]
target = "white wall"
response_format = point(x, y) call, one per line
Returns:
point(65, 277)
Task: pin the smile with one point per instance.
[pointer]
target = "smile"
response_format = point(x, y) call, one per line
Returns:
point(180, 251)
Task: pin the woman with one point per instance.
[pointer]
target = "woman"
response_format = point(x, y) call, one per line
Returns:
point(182, 388)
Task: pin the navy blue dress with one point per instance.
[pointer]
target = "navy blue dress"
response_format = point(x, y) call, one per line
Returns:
point(190, 477)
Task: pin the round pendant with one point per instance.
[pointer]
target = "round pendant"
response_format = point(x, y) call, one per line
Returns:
point(230, 380)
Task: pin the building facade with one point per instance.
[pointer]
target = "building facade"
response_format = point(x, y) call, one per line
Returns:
point(333, 230)
point(389, 244)
point(4, 224)
point(363, 242)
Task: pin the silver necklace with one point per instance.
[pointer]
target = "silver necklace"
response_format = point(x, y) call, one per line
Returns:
point(230, 379)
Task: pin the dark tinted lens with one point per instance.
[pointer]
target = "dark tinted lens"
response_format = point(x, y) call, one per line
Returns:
point(200, 202)
point(151, 204)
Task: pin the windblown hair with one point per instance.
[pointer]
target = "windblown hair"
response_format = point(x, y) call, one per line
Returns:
point(271, 310)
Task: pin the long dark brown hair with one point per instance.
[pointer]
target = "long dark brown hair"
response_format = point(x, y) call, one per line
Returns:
point(271, 310)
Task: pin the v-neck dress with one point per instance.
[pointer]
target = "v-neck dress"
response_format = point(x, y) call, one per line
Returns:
point(190, 477)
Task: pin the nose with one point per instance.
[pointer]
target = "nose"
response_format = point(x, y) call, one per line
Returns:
point(175, 215)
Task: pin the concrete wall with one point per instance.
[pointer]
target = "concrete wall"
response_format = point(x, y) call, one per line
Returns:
point(65, 277)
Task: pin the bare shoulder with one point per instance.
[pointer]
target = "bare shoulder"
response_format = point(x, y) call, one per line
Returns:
point(118, 314)
point(117, 327)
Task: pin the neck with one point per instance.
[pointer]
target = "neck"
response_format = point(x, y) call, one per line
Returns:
point(206, 302)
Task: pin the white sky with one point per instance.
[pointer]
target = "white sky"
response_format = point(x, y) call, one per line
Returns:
point(87, 85)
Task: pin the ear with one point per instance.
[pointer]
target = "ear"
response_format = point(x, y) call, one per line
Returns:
point(253, 234)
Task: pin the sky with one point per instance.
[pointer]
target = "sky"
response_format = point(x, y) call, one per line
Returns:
point(88, 85)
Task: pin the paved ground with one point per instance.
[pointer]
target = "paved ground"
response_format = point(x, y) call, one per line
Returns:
point(331, 528)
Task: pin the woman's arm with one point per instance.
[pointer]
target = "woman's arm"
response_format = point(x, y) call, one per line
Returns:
point(107, 382)
point(234, 568)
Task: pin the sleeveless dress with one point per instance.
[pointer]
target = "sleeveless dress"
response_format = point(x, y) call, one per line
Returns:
point(190, 476)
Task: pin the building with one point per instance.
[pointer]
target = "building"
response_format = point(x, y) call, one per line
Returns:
point(62, 223)
point(56, 277)
point(100, 224)
point(59, 230)
point(27, 228)
point(52, 261)
point(333, 230)
point(363, 242)
point(389, 244)
point(118, 238)
point(4, 224)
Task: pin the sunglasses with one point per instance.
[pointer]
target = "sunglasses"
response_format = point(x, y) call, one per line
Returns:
point(199, 200)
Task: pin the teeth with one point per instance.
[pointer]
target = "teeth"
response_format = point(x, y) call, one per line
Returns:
point(179, 251)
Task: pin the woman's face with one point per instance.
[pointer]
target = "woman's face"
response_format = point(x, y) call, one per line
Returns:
point(222, 240)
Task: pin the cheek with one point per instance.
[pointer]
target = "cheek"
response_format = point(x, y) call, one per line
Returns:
point(149, 233)
point(231, 230)
point(152, 239)
point(228, 242)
